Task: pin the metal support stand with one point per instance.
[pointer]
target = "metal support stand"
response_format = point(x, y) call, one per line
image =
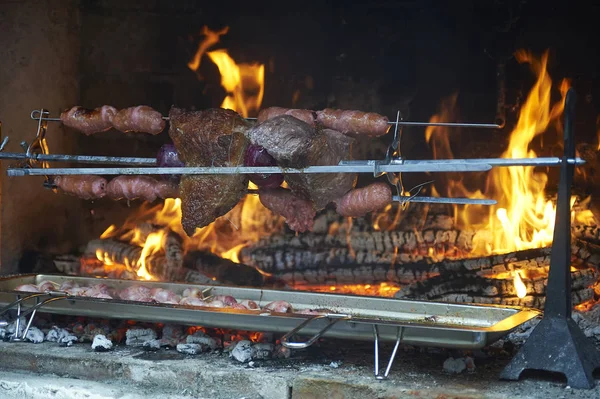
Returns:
point(557, 344)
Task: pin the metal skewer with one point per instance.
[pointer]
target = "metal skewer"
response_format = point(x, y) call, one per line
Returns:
point(35, 114)
point(408, 166)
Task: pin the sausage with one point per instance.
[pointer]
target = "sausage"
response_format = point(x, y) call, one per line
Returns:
point(357, 122)
point(132, 187)
point(89, 121)
point(166, 189)
point(83, 186)
point(142, 118)
point(305, 115)
point(360, 201)
point(299, 213)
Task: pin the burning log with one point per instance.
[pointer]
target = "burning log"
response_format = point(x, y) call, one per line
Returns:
point(341, 265)
point(534, 301)
point(587, 233)
point(164, 265)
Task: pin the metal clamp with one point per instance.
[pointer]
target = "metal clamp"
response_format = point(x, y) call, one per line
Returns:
point(399, 336)
point(334, 318)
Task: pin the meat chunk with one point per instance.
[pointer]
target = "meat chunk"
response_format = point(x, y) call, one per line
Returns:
point(330, 148)
point(214, 137)
point(166, 189)
point(136, 293)
point(27, 288)
point(89, 121)
point(357, 122)
point(294, 144)
point(249, 304)
point(228, 300)
point(162, 295)
point(192, 301)
point(83, 186)
point(286, 139)
point(142, 119)
point(279, 307)
point(305, 115)
point(299, 213)
point(361, 201)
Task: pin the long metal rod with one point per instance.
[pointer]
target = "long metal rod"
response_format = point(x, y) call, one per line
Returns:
point(86, 159)
point(35, 114)
point(407, 166)
point(413, 166)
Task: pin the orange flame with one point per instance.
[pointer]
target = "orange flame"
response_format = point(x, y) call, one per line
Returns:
point(244, 83)
point(524, 217)
point(519, 285)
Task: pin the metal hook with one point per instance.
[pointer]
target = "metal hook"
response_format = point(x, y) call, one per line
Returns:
point(334, 318)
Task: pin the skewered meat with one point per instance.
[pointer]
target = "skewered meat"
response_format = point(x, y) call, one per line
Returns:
point(162, 295)
point(27, 288)
point(357, 122)
point(214, 137)
point(142, 118)
point(83, 186)
point(361, 201)
point(286, 139)
point(136, 293)
point(305, 115)
point(299, 213)
point(279, 307)
point(144, 187)
point(89, 121)
point(258, 156)
point(322, 188)
point(294, 144)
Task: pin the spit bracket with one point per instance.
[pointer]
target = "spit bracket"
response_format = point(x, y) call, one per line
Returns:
point(557, 344)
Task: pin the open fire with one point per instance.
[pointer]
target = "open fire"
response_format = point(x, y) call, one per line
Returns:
point(522, 220)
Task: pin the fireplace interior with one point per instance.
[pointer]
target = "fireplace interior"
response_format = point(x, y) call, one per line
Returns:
point(503, 63)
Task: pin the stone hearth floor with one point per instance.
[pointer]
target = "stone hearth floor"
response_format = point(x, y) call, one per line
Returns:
point(47, 370)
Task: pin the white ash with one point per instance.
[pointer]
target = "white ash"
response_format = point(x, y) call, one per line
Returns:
point(137, 336)
point(189, 349)
point(521, 333)
point(589, 322)
point(455, 366)
point(242, 352)
point(35, 335)
point(101, 343)
point(68, 340)
point(334, 365)
point(151, 345)
point(3, 333)
point(172, 334)
point(57, 334)
point(200, 338)
point(262, 351)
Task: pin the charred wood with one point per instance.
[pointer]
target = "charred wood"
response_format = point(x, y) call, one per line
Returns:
point(223, 270)
point(535, 301)
point(442, 286)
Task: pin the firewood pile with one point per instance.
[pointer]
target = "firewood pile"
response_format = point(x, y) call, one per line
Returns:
point(419, 250)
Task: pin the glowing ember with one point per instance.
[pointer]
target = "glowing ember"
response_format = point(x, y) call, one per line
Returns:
point(519, 286)
point(387, 290)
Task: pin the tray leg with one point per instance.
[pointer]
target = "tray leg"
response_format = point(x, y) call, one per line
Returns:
point(399, 336)
point(557, 344)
